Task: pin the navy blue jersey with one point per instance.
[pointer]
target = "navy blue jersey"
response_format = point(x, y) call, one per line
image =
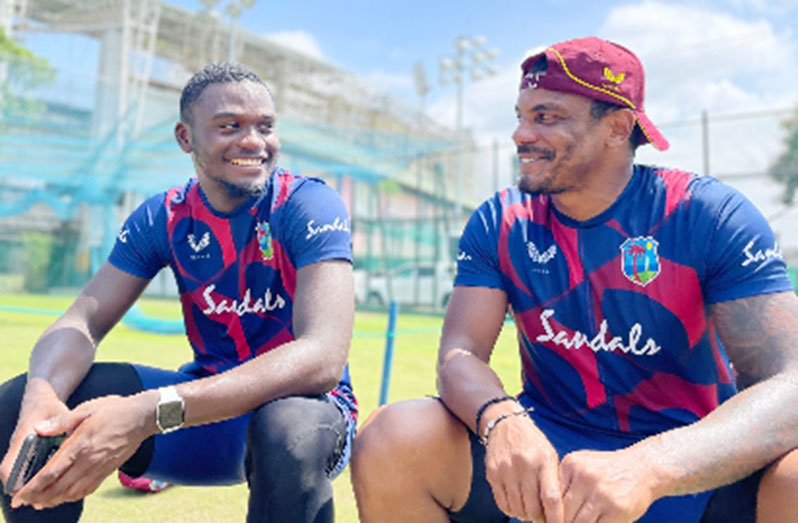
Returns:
point(236, 272)
point(612, 312)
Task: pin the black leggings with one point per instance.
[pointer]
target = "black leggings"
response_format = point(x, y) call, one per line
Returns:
point(292, 444)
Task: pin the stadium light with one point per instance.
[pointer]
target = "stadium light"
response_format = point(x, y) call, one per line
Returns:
point(233, 10)
point(470, 58)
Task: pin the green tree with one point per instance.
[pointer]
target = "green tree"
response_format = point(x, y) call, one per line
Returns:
point(785, 169)
point(20, 71)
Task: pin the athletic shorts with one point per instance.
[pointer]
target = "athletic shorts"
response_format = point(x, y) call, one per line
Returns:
point(213, 454)
point(732, 503)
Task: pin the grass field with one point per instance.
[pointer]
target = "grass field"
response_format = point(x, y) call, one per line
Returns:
point(413, 376)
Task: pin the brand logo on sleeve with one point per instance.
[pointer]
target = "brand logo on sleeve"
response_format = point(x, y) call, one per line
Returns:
point(759, 255)
point(123, 235)
point(337, 225)
point(639, 260)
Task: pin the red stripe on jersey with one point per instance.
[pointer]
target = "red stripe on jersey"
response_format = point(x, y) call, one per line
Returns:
point(219, 226)
point(675, 188)
point(567, 239)
point(667, 391)
point(512, 214)
point(685, 299)
point(582, 359)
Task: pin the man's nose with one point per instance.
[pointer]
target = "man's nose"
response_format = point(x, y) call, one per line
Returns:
point(252, 139)
point(525, 133)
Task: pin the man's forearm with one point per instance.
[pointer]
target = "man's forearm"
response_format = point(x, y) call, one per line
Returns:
point(465, 383)
point(744, 434)
point(62, 357)
point(300, 367)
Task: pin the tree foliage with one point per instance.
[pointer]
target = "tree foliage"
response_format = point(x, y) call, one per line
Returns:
point(785, 168)
point(20, 71)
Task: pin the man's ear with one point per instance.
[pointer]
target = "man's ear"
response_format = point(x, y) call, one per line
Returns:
point(622, 123)
point(183, 137)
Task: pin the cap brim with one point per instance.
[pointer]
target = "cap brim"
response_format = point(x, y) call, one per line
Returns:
point(650, 132)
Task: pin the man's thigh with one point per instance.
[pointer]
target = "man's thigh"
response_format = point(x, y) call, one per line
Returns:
point(210, 454)
point(480, 506)
point(101, 380)
point(215, 453)
point(735, 502)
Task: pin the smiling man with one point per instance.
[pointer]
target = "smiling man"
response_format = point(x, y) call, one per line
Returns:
point(657, 333)
point(268, 310)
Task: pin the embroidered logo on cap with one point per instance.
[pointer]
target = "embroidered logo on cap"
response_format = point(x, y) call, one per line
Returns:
point(614, 78)
point(533, 79)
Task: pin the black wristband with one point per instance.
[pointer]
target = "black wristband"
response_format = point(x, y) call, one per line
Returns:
point(487, 404)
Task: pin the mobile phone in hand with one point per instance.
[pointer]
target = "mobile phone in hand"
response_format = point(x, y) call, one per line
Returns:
point(35, 452)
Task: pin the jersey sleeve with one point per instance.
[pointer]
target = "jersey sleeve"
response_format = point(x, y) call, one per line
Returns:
point(316, 224)
point(137, 250)
point(742, 255)
point(477, 257)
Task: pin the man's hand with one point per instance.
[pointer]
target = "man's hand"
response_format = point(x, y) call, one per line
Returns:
point(522, 469)
point(38, 404)
point(611, 487)
point(104, 433)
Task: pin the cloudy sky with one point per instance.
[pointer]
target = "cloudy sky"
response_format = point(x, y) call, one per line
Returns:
point(736, 60)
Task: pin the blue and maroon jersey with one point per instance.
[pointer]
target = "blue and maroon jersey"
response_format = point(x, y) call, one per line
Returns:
point(236, 272)
point(612, 312)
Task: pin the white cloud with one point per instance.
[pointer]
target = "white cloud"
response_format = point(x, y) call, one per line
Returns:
point(696, 60)
point(299, 41)
point(700, 59)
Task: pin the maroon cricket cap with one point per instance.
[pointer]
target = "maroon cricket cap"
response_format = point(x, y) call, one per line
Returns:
point(594, 68)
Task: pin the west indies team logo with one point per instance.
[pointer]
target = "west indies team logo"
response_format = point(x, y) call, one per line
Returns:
point(639, 259)
point(265, 240)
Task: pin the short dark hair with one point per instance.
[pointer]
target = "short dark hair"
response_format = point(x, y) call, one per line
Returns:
point(218, 73)
point(599, 109)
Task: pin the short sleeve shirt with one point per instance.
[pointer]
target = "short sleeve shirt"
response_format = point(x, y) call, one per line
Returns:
point(612, 312)
point(236, 272)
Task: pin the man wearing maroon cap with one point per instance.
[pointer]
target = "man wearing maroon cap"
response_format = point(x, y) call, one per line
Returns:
point(656, 329)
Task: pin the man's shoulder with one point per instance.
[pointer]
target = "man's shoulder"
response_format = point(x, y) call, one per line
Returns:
point(179, 195)
point(293, 189)
point(682, 185)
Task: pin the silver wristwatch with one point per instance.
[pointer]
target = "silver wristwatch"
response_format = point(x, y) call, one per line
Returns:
point(171, 411)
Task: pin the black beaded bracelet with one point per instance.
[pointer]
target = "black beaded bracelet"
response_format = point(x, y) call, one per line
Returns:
point(492, 423)
point(487, 404)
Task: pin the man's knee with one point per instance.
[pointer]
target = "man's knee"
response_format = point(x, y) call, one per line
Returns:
point(411, 444)
point(777, 499)
point(296, 435)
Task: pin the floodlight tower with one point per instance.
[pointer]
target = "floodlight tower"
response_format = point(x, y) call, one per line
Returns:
point(470, 57)
point(233, 10)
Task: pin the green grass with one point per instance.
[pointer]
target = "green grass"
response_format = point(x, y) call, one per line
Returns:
point(413, 376)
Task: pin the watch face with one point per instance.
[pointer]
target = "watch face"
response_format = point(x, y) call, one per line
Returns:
point(170, 415)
